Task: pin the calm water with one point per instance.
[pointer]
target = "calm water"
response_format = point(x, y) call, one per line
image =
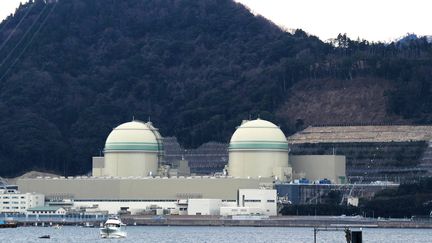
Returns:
point(210, 234)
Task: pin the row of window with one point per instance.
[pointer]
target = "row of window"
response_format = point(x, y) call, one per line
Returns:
point(124, 200)
point(14, 202)
point(13, 197)
point(13, 207)
point(241, 210)
point(253, 200)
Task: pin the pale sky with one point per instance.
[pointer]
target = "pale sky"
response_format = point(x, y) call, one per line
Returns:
point(374, 20)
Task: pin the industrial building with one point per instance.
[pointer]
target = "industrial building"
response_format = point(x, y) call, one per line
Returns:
point(138, 193)
point(316, 193)
point(131, 149)
point(133, 176)
point(318, 167)
point(15, 202)
point(259, 149)
point(250, 202)
point(373, 152)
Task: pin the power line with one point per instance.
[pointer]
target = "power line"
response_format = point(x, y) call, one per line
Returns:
point(23, 37)
point(16, 27)
point(31, 40)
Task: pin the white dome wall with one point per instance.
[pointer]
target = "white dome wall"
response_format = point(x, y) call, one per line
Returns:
point(256, 164)
point(258, 148)
point(131, 149)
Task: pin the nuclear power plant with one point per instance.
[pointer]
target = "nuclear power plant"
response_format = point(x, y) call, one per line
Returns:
point(131, 149)
point(259, 149)
point(132, 175)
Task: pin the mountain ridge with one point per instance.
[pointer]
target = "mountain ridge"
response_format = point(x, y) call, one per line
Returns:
point(196, 68)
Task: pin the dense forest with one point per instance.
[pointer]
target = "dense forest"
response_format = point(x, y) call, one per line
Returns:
point(71, 70)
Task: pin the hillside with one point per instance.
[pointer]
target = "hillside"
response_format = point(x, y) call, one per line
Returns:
point(71, 70)
point(332, 101)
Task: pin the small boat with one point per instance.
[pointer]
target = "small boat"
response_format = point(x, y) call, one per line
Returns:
point(113, 228)
point(8, 224)
point(45, 237)
point(88, 225)
point(57, 226)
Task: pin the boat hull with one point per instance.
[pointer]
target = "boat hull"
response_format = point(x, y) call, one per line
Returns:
point(112, 232)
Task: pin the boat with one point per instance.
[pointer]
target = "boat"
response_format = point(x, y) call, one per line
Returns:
point(4, 224)
point(57, 226)
point(89, 225)
point(113, 228)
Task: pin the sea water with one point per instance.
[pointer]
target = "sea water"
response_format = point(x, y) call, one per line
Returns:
point(210, 234)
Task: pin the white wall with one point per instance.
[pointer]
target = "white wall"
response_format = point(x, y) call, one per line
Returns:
point(256, 164)
point(204, 206)
point(231, 211)
point(130, 163)
point(317, 167)
point(19, 202)
point(259, 198)
point(134, 207)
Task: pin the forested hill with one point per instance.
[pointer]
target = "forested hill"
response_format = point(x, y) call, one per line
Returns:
point(71, 70)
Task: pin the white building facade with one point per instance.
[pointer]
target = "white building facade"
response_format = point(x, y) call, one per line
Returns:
point(253, 202)
point(14, 202)
point(204, 206)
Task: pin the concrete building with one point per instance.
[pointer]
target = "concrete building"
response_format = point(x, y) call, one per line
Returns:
point(317, 167)
point(253, 202)
point(138, 193)
point(373, 152)
point(259, 149)
point(131, 178)
point(14, 202)
point(131, 149)
point(204, 206)
point(316, 193)
point(46, 211)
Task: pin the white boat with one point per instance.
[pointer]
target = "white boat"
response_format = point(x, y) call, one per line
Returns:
point(113, 228)
point(57, 226)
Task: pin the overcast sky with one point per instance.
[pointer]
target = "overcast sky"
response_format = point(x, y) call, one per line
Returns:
point(374, 20)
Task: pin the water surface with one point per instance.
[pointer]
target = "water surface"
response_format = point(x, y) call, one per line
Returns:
point(210, 234)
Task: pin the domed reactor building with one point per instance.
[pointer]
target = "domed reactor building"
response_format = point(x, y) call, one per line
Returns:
point(259, 149)
point(131, 149)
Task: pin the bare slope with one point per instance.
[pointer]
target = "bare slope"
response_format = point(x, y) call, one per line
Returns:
point(331, 101)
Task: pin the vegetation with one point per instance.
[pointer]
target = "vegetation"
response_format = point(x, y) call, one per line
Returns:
point(71, 70)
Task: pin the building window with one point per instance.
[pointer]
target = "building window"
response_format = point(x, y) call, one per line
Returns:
point(252, 200)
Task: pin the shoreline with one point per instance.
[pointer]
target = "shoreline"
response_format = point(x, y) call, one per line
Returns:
point(218, 221)
point(279, 221)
